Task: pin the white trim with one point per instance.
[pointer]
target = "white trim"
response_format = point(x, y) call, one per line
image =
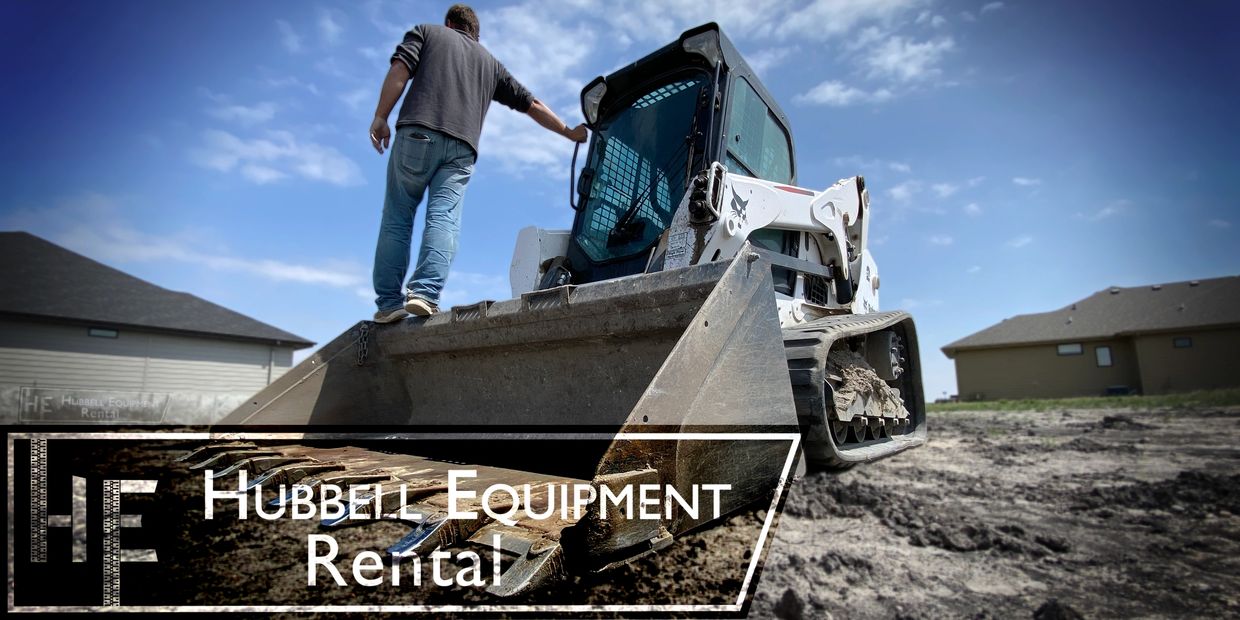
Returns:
point(794, 438)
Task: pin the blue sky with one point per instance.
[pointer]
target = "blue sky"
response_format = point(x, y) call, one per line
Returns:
point(1020, 155)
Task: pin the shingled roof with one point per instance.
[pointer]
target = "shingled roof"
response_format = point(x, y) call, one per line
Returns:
point(41, 279)
point(1118, 311)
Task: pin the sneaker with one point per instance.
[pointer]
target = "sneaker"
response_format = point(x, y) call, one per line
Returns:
point(390, 316)
point(420, 307)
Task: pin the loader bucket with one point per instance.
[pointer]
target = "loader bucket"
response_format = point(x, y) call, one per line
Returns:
point(693, 347)
point(692, 350)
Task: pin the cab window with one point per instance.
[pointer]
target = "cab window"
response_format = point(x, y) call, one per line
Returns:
point(756, 141)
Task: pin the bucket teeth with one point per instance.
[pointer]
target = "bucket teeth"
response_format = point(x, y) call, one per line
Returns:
point(228, 458)
point(431, 528)
point(199, 454)
point(537, 559)
point(260, 464)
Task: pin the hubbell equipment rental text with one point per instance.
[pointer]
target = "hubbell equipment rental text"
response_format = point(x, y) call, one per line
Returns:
point(500, 502)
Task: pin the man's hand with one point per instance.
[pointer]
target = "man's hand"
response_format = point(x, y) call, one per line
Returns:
point(393, 86)
point(578, 133)
point(380, 135)
point(545, 117)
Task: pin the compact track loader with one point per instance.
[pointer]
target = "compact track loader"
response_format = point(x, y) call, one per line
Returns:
point(701, 302)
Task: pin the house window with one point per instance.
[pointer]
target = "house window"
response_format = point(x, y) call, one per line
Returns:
point(1070, 349)
point(1103, 356)
point(1182, 342)
point(99, 332)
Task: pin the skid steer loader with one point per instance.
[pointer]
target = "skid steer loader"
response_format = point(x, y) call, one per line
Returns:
point(702, 299)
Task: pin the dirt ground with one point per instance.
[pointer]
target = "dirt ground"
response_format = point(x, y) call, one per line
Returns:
point(1061, 514)
point(1018, 514)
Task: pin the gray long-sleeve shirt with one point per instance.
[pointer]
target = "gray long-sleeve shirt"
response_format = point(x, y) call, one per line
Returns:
point(454, 81)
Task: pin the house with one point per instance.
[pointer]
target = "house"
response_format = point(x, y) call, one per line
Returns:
point(1153, 339)
point(81, 342)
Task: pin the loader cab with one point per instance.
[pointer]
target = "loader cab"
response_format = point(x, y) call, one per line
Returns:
point(655, 125)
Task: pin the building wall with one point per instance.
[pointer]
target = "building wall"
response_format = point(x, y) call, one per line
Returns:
point(1210, 363)
point(203, 378)
point(1038, 371)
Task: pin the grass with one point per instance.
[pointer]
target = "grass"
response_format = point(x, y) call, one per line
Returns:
point(1208, 398)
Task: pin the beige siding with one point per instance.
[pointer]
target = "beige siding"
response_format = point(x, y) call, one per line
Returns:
point(1210, 363)
point(1038, 371)
point(49, 355)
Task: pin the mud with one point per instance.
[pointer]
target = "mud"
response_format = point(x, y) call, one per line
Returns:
point(1063, 514)
point(860, 381)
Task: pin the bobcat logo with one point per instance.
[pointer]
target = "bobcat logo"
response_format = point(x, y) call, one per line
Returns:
point(738, 208)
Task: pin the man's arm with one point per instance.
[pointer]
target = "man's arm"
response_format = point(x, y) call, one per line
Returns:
point(545, 117)
point(389, 94)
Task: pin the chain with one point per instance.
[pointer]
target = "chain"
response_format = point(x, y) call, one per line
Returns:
point(363, 343)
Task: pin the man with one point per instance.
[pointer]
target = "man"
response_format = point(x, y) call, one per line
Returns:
point(434, 151)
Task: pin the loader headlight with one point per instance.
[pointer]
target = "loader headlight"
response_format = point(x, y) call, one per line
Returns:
point(591, 97)
point(705, 44)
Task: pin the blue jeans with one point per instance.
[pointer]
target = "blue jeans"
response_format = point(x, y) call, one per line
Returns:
point(421, 160)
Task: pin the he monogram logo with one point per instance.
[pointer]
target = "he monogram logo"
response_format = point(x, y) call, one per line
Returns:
point(113, 521)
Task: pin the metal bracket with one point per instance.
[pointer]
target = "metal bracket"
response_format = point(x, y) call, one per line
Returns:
point(472, 311)
point(549, 298)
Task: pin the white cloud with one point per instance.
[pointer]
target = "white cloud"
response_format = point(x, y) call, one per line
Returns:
point(933, 20)
point(225, 109)
point(972, 209)
point(909, 303)
point(904, 191)
point(521, 146)
point(357, 98)
point(943, 190)
point(389, 18)
point(1026, 181)
point(1020, 242)
point(991, 6)
point(94, 225)
point(540, 47)
point(658, 21)
point(1217, 223)
point(967, 16)
point(246, 115)
point(292, 82)
point(289, 37)
point(766, 59)
point(464, 287)
point(837, 94)
point(861, 164)
point(372, 53)
point(940, 240)
point(1115, 208)
point(823, 19)
point(330, 27)
point(261, 175)
point(331, 66)
point(975, 181)
point(974, 269)
point(263, 160)
point(905, 60)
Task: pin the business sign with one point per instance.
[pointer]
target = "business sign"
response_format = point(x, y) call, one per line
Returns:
point(73, 406)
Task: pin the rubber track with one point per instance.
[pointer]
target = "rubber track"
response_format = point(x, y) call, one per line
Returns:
point(806, 347)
